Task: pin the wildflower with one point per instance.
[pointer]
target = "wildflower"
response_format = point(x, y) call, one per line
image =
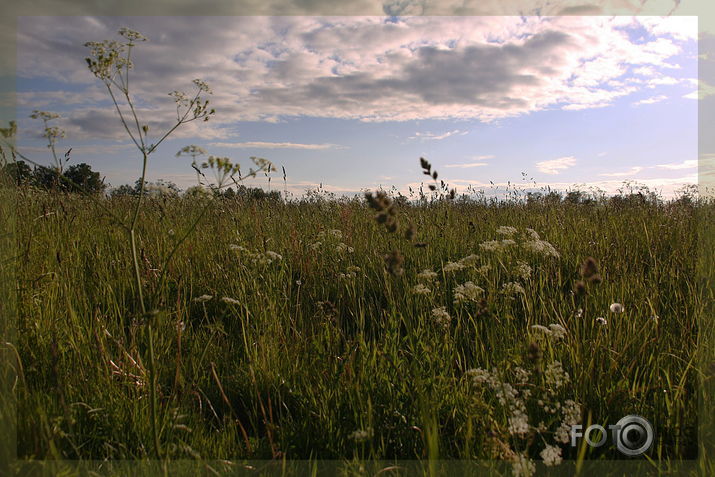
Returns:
point(616, 308)
point(479, 376)
point(542, 247)
point(427, 275)
point(441, 316)
point(551, 455)
point(655, 319)
point(484, 269)
point(315, 246)
point(507, 242)
point(230, 301)
point(541, 328)
point(203, 298)
point(518, 423)
point(274, 255)
point(522, 270)
point(420, 289)
point(491, 246)
point(523, 466)
point(532, 234)
point(522, 375)
point(452, 267)
point(601, 321)
point(469, 260)
point(238, 248)
point(555, 375)
point(571, 414)
point(506, 230)
point(361, 435)
point(579, 313)
point(512, 288)
point(466, 292)
point(557, 331)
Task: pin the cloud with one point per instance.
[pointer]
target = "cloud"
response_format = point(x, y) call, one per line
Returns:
point(274, 145)
point(633, 171)
point(689, 164)
point(651, 100)
point(367, 68)
point(467, 165)
point(554, 166)
point(437, 137)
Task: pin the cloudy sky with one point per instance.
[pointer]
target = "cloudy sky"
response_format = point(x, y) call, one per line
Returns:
point(353, 102)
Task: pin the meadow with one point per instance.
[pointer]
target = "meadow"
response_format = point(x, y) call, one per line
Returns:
point(308, 330)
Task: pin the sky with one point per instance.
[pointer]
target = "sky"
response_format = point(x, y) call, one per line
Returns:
point(352, 103)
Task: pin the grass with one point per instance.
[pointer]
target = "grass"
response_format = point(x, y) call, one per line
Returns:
point(317, 359)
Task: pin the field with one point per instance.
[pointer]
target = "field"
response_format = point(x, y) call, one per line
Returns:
point(308, 330)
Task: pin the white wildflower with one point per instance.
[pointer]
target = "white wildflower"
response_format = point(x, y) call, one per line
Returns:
point(479, 376)
point(507, 243)
point(361, 435)
point(616, 308)
point(518, 423)
point(522, 270)
point(203, 298)
point(427, 275)
point(555, 376)
point(513, 288)
point(274, 255)
point(452, 267)
point(230, 301)
point(506, 230)
point(491, 246)
point(601, 321)
point(557, 331)
point(441, 316)
point(467, 292)
point(420, 289)
point(571, 414)
point(541, 247)
point(541, 328)
point(532, 234)
point(523, 466)
point(469, 260)
point(522, 375)
point(551, 455)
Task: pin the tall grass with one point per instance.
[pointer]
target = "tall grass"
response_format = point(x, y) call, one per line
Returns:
point(310, 357)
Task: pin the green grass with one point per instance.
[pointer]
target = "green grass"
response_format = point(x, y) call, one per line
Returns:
point(305, 358)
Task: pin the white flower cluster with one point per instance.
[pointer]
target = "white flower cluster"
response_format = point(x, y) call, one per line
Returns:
point(350, 273)
point(467, 292)
point(361, 435)
point(441, 316)
point(427, 275)
point(522, 270)
point(421, 289)
point(570, 416)
point(551, 455)
point(496, 245)
point(506, 230)
point(555, 376)
point(452, 267)
point(523, 466)
point(256, 257)
point(541, 247)
point(328, 238)
point(513, 288)
point(554, 330)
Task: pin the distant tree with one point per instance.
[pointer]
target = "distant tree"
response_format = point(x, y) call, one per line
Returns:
point(46, 177)
point(123, 190)
point(83, 175)
point(19, 172)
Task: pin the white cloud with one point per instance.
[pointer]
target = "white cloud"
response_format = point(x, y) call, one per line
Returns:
point(633, 171)
point(265, 68)
point(554, 166)
point(651, 100)
point(274, 145)
point(467, 165)
point(437, 137)
point(689, 164)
